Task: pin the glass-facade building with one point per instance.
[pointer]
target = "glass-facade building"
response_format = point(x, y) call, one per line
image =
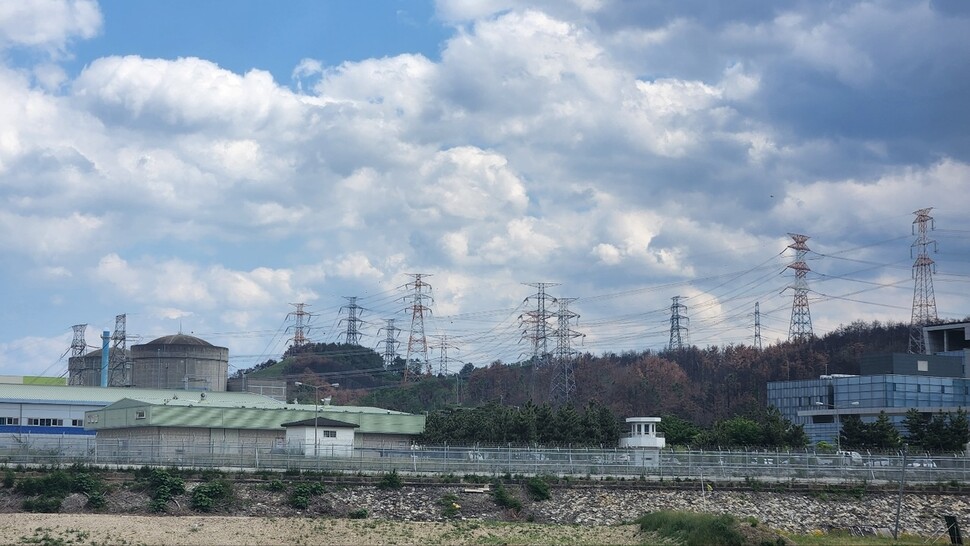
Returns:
point(892, 383)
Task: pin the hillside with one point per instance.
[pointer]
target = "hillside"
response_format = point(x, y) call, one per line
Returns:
point(701, 385)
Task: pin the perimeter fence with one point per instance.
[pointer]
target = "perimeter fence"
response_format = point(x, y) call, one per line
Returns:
point(710, 466)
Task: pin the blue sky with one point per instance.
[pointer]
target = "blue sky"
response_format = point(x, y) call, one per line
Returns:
point(203, 165)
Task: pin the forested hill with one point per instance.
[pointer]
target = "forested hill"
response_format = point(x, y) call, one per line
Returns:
point(701, 385)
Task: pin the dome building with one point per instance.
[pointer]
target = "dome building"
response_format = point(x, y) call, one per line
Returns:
point(179, 361)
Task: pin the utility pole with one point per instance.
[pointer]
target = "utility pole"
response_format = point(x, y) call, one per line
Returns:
point(564, 380)
point(417, 342)
point(352, 336)
point(757, 326)
point(924, 300)
point(301, 328)
point(801, 317)
point(679, 332)
point(390, 343)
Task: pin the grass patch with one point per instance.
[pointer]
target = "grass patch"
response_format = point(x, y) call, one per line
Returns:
point(693, 529)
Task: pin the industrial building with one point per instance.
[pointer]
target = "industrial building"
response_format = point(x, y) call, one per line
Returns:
point(891, 383)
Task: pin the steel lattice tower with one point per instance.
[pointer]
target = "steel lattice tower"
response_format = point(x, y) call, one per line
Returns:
point(119, 370)
point(924, 301)
point(535, 324)
point(564, 379)
point(442, 345)
point(352, 335)
point(78, 345)
point(390, 343)
point(679, 332)
point(417, 342)
point(301, 327)
point(757, 325)
point(801, 317)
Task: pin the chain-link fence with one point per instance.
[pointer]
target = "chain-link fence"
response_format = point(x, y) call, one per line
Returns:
point(628, 463)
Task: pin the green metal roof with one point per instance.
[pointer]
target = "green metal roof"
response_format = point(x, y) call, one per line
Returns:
point(131, 413)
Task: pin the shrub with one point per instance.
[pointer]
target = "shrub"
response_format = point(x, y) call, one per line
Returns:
point(390, 480)
point(276, 485)
point(8, 478)
point(302, 493)
point(45, 503)
point(538, 489)
point(208, 495)
point(505, 499)
point(449, 505)
point(162, 487)
point(693, 529)
point(359, 513)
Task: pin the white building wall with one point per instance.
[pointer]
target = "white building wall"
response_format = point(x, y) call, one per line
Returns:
point(339, 445)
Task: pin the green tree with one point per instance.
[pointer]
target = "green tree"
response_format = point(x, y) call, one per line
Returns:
point(677, 431)
point(882, 434)
point(853, 433)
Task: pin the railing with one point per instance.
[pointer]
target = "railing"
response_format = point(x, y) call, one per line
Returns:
point(710, 466)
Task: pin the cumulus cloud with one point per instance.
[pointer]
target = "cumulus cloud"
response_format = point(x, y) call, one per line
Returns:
point(48, 24)
point(604, 145)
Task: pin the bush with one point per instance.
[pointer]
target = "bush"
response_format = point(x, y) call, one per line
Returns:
point(45, 503)
point(505, 499)
point(208, 495)
point(390, 480)
point(302, 493)
point(162, 487)
point(538, 489)
point(693, 529)
point(449, 505)
point(359, 513)
point(8, 478)
point(276, 485)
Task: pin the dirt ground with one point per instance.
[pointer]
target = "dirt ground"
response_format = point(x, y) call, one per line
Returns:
point(97, 529)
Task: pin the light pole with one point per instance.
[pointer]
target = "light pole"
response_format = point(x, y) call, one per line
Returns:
point(316, 413)
point(838, 421)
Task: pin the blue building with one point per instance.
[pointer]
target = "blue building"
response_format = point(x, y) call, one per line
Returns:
point(892, 383)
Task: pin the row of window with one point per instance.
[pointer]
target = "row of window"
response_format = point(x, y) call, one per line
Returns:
point(40, 422)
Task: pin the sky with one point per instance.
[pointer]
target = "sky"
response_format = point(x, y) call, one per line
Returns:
point(200, 167)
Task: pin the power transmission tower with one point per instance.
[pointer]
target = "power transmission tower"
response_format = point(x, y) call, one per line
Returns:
point(417, 342)
point(535, 323)
point(564, 380)
point(352, 336)
point(118, 366)
point(302, 326)
point(801, 318)
point(924, 301)
point(679, 333)
point(78, 346)
point(442, 345)
point(757, 325)
point(390, 343)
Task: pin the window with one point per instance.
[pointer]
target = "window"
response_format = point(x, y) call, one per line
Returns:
point(36, 422)
point(140, 414)
point(77, 422)
point(329, 433)
point(9, 420)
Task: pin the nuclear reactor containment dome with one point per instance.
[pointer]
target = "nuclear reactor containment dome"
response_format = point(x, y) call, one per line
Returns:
point(179, 362)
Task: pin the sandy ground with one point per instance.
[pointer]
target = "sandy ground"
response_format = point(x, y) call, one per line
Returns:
point(218, 530)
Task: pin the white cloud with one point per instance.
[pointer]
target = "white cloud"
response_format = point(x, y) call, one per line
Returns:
point(48, 24)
